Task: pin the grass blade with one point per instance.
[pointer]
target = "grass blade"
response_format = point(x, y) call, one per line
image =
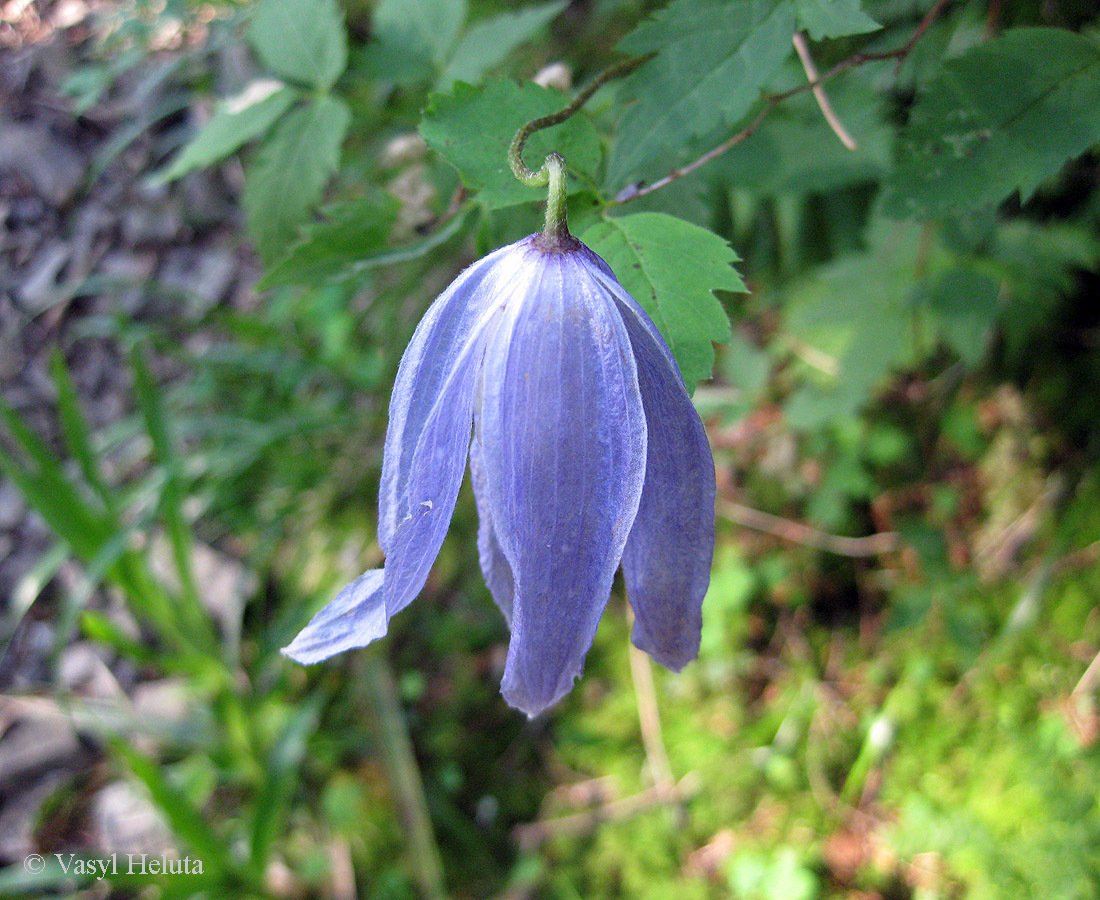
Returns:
point(186, 822)
point(75, 428)
point(272, 804)
point(171, 498)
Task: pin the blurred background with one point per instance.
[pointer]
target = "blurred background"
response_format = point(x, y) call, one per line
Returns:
point(896, 695)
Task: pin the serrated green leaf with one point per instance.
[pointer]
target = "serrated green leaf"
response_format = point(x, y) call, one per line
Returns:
point(486, 44)
point(235, 122)
point(1005, 116)
point(833, 18)
point(713, 58)
point(414, 40)
point(473, 127)
point(348, 232)
point(671, 268)
point(291, 170)
point(301, 40)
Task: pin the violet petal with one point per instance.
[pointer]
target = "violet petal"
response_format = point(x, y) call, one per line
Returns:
point(564, 440)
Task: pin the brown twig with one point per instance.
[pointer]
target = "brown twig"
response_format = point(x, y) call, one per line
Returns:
point(995, 555)
point(1089, 680)
point(803, 50)
point(634, 191)
point(992, 19)
point(800, 533)
point(1086, 556)
point(535, 833)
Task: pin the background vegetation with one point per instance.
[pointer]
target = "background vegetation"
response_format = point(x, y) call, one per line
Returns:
point(897, 691)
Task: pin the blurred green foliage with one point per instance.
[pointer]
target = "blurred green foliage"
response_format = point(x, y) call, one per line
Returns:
point(915, 355)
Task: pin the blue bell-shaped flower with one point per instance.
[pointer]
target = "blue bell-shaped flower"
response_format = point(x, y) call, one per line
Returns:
point(586, 452)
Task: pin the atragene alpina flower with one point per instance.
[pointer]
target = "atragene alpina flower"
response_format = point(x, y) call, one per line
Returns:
point(586, 452)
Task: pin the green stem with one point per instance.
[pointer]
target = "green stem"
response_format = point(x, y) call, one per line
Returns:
point(404, 774)
point(555, 235)
point(555, 231)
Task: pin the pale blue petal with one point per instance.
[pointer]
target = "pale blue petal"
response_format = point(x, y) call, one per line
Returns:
point(435, 473)
point(564, 438)
point(494, 564)
point(668, 556)
point(354, 618)
point(425, 366)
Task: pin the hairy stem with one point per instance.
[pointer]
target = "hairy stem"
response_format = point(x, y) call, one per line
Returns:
point(555, 232)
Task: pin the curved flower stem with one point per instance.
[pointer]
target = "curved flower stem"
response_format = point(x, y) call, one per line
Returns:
point(552, 172)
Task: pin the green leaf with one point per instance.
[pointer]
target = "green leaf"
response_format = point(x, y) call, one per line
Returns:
point(745, 366)
point(864, 351)
point(101, 629)
point(852, 321)
point(1004, 116)
point(92, 533)
point(411, 41)
point(351, 242)
point(301, 40)
point(30, 587)
point(833, 18)
point(671, 268)
point(473, 127)
point(348, 232)
point(235, 122)
point(291, 170)
point(965, 304)
point(486, 44)
point(1042, 264)
point(860, 317)
point(713, 58)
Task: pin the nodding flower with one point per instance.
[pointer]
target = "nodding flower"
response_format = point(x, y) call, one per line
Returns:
point(585, 452)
